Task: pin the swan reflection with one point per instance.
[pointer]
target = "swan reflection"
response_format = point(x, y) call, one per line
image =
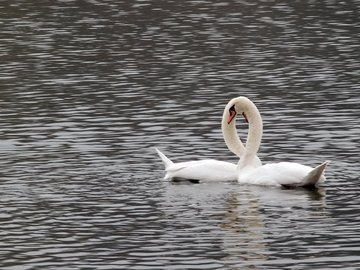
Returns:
point(239, 222)
point(256, 216)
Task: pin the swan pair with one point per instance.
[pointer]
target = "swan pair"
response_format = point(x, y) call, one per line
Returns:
point(249, 170)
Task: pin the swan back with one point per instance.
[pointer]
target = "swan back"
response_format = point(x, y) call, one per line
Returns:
point(288, 174)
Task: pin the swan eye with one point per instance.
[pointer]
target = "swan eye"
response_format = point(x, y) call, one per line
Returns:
point(232, 109)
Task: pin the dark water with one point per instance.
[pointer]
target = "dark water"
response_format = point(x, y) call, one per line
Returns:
point(88, 88)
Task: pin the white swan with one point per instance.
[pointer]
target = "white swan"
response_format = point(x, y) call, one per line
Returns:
point(286, 174)
point(211, 169)
point(199, 170)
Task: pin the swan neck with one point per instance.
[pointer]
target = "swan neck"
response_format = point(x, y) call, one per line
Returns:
point(253, 141)
point(231, 137)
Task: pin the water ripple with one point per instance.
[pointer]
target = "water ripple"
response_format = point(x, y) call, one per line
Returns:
point(89, 88)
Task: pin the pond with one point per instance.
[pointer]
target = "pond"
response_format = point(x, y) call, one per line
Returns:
point(89, 88)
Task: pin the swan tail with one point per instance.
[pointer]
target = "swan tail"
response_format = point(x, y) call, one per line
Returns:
point(167, 162)
point(313, 177)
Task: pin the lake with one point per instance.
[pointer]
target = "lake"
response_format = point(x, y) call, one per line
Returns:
point(89, 88)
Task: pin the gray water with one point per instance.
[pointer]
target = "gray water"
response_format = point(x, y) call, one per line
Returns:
point(88, 88)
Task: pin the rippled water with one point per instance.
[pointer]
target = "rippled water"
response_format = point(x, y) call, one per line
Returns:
point(88, 88)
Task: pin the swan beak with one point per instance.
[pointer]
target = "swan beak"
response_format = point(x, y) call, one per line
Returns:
point(246, 120)
point(231, 116)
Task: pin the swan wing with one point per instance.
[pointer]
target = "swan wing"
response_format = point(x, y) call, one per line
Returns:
point(313, 177)
point(274, 174)
point(288, 174)
point(203, 170)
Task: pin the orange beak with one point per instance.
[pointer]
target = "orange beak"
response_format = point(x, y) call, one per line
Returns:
point(231, 116)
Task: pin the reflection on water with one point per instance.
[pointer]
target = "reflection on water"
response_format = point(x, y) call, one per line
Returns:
point(88, 88)
point(244, 221)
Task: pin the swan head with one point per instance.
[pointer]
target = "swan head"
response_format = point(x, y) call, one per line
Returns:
point(239, 105)
point(233, 113)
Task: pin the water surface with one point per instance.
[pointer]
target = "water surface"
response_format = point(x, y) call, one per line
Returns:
point(88, 88)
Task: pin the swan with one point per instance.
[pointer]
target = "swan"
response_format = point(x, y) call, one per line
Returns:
point(211, 169)
point(199, 170)
point(287, 174)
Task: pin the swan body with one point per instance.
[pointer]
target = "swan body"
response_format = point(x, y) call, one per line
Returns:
point(286, 174)
point(201, 170)
point(211, 169)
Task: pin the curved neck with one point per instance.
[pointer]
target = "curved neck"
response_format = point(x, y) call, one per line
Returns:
point(231, 137)
point(254, 136)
